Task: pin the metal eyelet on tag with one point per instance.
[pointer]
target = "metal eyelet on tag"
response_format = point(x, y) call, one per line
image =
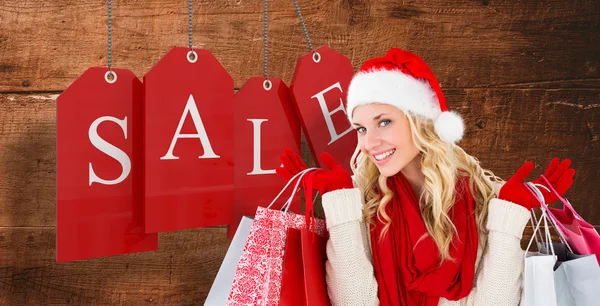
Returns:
point(110, 73)
point(267, 85)
point(316, 57)
point(192, 56)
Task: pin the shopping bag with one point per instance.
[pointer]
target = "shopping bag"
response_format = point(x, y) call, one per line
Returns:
point(564, 254)
point(303, 279)
point(538, 274)
point(580, 235)
point(577, 282)
point(217, 296)
point(257, 279)
point(564, 297)
point(576, 277)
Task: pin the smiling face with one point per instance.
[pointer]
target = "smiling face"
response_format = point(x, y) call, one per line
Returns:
point(384, 135)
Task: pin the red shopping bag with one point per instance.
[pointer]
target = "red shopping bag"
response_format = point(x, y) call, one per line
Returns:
point(257, 278)
point(303, 280)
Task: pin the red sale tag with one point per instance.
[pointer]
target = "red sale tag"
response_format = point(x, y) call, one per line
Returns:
point(319, 87)
point(98, 167)
point(188, 142)
point(265, 124)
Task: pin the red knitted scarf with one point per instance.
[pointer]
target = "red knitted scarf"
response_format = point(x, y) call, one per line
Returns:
point(407, 270)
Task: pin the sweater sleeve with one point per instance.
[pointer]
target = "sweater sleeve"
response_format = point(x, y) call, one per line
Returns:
point(349, 270)
point(500, 273)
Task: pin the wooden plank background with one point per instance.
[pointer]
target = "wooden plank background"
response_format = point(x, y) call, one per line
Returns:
point(524, 74)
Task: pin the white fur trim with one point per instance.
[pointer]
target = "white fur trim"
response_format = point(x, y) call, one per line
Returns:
point(395, 88)
point(450, 127)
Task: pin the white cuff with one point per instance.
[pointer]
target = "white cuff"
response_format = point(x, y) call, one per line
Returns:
point(507, 217)
point(341, 206)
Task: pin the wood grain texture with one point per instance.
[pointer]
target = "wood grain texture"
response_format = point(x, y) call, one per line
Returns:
point(504, 129)
point(525, 75)
point(46, 45)
point(181, 272)
point(508, 127)
point(27, 160)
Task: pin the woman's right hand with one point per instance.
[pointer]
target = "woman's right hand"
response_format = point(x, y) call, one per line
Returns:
point(323, 180)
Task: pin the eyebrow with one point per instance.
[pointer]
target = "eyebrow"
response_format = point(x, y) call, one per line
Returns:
point(374, 118)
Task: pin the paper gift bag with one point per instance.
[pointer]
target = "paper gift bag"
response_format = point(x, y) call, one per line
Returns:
point(303, 281)
point(257, 278)
point(580, 235)
point(217, 296)
point(538, 274)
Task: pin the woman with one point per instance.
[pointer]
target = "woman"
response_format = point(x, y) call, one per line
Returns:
point(420, 223)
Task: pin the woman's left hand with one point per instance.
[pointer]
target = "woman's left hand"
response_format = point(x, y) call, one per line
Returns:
point(515, 191)
point(560, 177)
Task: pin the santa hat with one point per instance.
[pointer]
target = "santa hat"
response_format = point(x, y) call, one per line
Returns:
point(403, 79)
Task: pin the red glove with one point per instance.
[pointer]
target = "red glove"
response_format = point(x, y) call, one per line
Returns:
point(559, 176)
point(323, 180)
point(332, 179)
point(514, 190)
point(292, 164)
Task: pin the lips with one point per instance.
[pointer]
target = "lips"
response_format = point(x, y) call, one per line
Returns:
point(384, 155)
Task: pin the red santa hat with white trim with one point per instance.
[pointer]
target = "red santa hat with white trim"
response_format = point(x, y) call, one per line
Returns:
point(403, 79)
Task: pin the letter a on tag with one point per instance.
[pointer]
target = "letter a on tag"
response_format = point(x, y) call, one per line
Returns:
point(188, 142)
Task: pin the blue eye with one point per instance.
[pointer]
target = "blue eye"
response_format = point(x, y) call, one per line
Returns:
point(360, 129)
point(385, 122)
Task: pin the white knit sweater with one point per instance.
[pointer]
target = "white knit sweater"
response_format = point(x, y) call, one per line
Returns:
point(350, 277)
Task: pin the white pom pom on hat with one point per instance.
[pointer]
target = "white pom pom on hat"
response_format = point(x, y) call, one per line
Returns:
point(449, 126)
point(403, 79)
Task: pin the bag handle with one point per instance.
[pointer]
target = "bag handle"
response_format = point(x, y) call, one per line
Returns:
point(544, 217)
point(560, 228)
point(288, 203)
point(298, 175)
point(563, 200)
point(540, 197)
point(310, 209)
point(533, 189)
point(548, 241)
point(535, 219)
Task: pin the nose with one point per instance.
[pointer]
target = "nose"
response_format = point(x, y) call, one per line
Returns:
point(372, 140)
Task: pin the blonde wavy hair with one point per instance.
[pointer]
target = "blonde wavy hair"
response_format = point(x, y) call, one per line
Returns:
point(442, 163)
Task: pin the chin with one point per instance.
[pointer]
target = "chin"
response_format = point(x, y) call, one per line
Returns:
point(389, 170)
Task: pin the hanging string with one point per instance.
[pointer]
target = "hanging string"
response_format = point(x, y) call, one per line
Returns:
point(190, 24)
point(310, 46)
point(110, 37)
point(265, 28)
